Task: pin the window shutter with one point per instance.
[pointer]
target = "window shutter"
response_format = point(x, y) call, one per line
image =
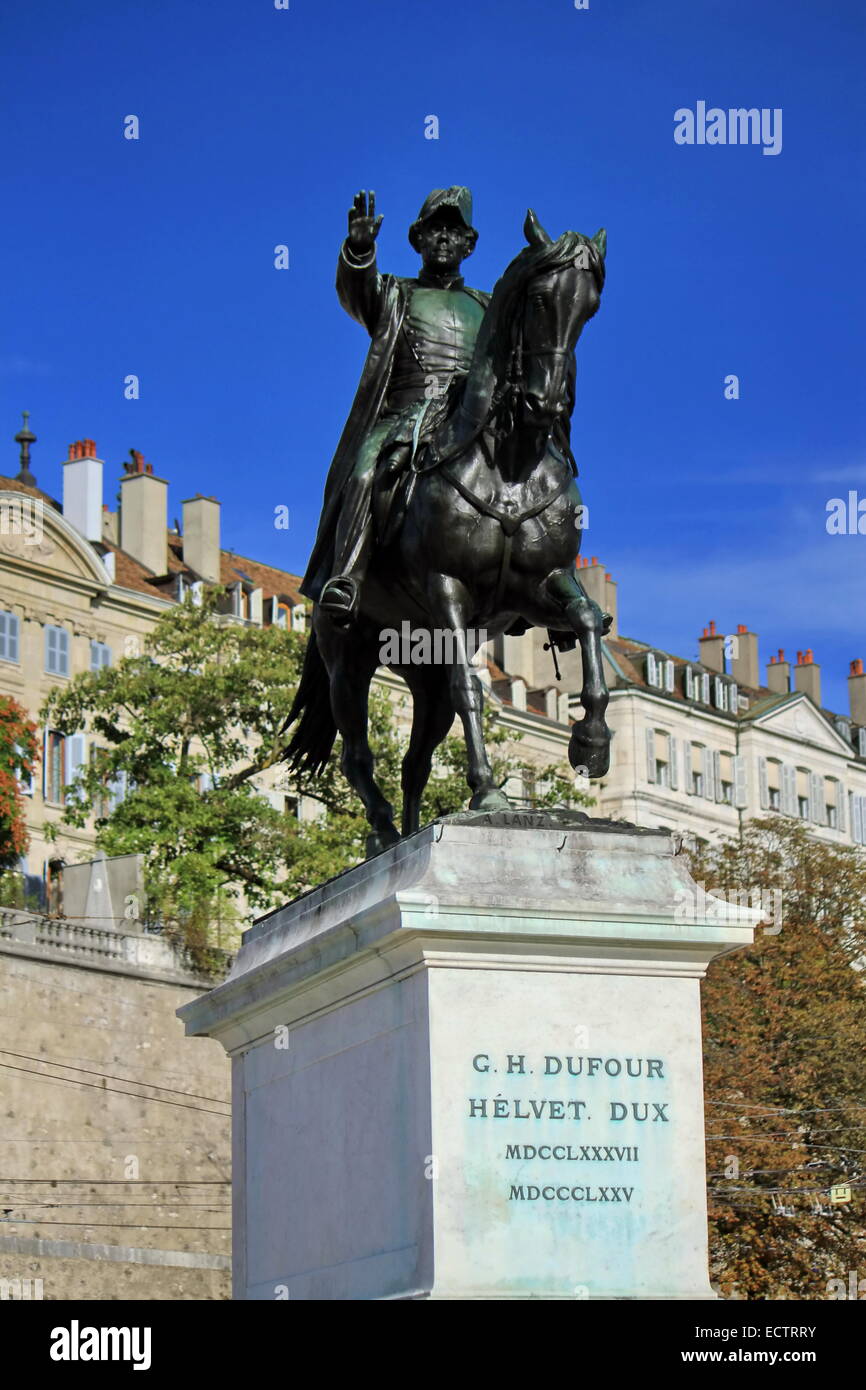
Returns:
point(789, 789)
point(689, 683)
point(717, 776)
point(652, 674)
point(740, 790)
point(763, 784)
point(197, 592)
point(687, 765)
point(718, 692)
point(674, 763)
point(856, 819)
point(840, 806)
point(817, 813)
point(733, 697)
point(117, 790)
point(75, 749)
point(650, 755)
point(9, 636)
point(861, 742)
point(709, 779)
point(705, 688)
point(669, 676)
point(51, 648)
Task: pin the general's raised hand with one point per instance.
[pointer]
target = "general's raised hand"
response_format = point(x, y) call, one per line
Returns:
point(363, 223)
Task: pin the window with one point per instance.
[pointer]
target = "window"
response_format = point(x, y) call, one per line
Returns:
point(53, 765)
point(9, 629)
point(56, 650)
point(100, 655)
point(292, 806)
point(725, 789)
point(770, 783)
point(652, 669)
point(831, 815)
point(720, 692)
point(659, 749)
point(697, 771)
point(282, 615)
point(63, 758)
point(299, 618)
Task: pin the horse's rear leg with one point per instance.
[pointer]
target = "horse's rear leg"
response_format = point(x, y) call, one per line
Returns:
point(351, 664)
point(432, 717)
point(589, 745)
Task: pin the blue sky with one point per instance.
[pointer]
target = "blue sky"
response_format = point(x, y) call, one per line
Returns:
point(257, 126)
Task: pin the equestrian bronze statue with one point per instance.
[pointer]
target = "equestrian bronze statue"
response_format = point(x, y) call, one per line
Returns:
point(451, 504)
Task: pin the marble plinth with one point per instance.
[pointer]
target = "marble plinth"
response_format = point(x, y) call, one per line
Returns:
point(471, 1068)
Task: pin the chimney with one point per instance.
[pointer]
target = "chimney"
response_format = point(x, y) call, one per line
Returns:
point(82, 489)
point(745, 668)
point(779, 674)
point(201, 537)
point(600, 587)
point(807, 676)
point(712, 649)
point(857, 692)
point(144, 514)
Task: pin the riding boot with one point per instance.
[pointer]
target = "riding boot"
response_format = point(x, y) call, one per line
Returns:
point(340, 596)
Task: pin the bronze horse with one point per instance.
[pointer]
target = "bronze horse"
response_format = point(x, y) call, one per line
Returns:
point(487, 536)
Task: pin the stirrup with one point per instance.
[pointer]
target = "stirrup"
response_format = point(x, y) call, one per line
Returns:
point(339, 598)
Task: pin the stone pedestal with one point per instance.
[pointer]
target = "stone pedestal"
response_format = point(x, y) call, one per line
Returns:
point(471, 1068)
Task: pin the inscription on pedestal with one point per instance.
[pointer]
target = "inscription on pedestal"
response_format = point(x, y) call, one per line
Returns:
point(589, 1091)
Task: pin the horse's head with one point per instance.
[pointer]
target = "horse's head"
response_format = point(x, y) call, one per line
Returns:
point(559, 290)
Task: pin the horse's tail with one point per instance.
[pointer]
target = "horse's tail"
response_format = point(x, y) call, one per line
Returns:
point(313, 739)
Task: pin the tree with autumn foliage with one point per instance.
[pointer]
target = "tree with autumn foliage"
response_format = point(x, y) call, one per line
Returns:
point(784, 1030)
point(18, 758)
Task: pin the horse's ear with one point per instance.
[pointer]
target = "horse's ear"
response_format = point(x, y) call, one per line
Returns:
point(534, 232)
point(599, 241)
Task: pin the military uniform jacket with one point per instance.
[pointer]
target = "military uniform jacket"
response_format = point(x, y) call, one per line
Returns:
point(379, 302)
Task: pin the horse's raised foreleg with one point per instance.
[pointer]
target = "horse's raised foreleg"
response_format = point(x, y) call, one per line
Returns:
point(432, 717)
point(589, 745)
point(351, 663)
point(450, 604)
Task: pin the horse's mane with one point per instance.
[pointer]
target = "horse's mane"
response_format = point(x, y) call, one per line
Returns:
point(529, 263)
point(496, 337)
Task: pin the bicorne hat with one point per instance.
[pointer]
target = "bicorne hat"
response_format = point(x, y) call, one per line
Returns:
point(455, 197)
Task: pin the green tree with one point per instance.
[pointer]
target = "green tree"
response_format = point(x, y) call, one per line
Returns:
point(784, 1023)
point(18, 759)
point(180, 738)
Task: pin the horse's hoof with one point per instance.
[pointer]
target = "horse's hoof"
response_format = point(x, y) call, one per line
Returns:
point(380, 840)
point(591, 755)
point(493, 799)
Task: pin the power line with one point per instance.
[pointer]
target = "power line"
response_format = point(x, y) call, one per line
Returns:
point(130, 1095)
point(128, 1080)
point(129, 1182)
point(110, 1225)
